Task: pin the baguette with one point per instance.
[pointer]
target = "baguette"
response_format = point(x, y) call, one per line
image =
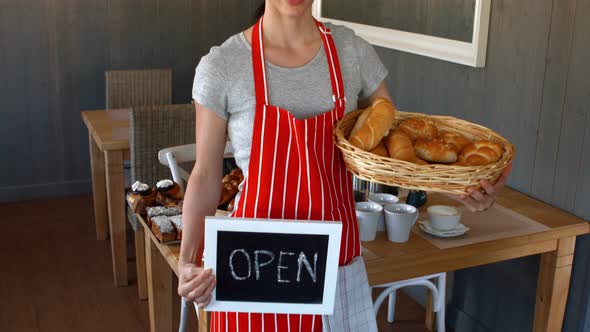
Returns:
point(373, 126)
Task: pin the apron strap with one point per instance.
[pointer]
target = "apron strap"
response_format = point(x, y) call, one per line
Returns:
point(259, 67)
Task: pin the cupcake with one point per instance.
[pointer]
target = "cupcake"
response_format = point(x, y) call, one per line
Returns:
point(168, 192)
point(141, 197)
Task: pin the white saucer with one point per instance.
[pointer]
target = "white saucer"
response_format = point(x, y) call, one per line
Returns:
point(425, 226)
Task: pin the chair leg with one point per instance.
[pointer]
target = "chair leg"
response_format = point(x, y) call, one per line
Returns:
point(430, 311)
point(140, 264)
point(442, 305)
point(391, 307)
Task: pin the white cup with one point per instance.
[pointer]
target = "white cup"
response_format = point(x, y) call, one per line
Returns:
point(368, 215)
point(383, 200)
point(399, 219)
point(443, 217)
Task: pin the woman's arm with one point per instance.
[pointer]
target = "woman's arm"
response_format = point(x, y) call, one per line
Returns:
point(200, 200)
point(381, 92)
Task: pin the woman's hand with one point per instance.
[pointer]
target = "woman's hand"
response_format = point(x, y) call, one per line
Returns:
point(195, 284)
point(482, 199)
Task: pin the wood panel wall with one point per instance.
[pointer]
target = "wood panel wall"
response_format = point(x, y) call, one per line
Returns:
point(53, 54)
point(535, 90)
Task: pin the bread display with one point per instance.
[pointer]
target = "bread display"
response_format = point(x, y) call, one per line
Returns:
point(168, 191)
point(458, 141)
point(141, 197)
point(418, 140)
point(435, 151)
point(177, 224)
point(373, 124)
point(163, 229)
point(481, 153)
point(422, 128)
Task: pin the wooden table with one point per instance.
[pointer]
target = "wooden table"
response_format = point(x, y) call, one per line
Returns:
point(388, 262)
point(108, 134)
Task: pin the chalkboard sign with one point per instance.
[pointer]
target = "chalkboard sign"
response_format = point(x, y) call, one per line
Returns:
point(272, 266)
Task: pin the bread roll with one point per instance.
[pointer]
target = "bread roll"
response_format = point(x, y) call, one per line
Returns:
point(399, 146)
point(435, 151)
point(380, 150)
point(458, 141)
point(419, 128)
point(373, 126)
point(481, 153)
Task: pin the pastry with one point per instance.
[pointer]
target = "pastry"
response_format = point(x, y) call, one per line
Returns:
point(177, 224)
point(230, 205)
point(141, 197)
point(435, 151)
point(168, 191)
point(228, 192)
point(419, 128)
point(380, 150)
point(156, 211)
point(399, 145)
point(481, 153)
point(373, 126)
point(163, 229)
point(458, 141)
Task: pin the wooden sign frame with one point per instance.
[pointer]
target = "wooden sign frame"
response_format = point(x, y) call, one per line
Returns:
point(333, 229)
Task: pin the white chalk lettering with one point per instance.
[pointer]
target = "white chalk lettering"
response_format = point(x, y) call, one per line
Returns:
point(258, 264)
point(282, 267)
point(231, 264)
point(303, 260)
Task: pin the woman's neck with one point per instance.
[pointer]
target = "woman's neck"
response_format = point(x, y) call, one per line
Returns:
point(288, 32)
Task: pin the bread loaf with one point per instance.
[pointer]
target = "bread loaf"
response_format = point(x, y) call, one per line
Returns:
point(435, 151)
point(399, 146)
point(481, 153)
point(419, 128)
point(458, 141)
point(373, 126)
point(380, 150)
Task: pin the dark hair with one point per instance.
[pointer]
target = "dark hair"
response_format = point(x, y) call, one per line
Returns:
point(260, 11)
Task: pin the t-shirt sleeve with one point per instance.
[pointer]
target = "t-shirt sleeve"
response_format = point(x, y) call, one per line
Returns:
point(372, 70)
point(210, 84)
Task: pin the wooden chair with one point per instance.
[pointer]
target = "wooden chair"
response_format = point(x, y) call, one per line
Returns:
point(153, 128)
point(129, 88)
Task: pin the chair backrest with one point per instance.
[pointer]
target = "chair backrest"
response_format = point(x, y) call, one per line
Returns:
point(174, 156)
point(153, 128)
point(129, 88)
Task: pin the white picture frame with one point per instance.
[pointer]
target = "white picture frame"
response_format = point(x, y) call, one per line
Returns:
point(471, 54)
point(332, 228)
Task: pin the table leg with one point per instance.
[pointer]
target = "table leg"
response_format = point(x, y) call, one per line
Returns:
point(204, 320)
point(553, 286)
point(140, 264)
point(161, 290)
point(99, 190)
point(117, 215)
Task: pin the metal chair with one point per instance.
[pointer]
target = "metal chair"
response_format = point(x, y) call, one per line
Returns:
point(437, 290)
point(173, 157)
point(153, 128)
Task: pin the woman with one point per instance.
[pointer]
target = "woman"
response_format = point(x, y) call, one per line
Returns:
point(277, 89)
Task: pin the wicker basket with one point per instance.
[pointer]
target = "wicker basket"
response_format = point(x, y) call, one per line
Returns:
point(438, 178)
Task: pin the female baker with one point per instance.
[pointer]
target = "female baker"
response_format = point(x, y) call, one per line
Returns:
point(277, 89)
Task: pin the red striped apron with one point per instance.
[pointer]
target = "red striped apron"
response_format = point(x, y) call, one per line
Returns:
point(295, 172)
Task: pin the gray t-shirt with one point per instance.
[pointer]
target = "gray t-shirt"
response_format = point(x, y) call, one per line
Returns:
point(224, 83)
